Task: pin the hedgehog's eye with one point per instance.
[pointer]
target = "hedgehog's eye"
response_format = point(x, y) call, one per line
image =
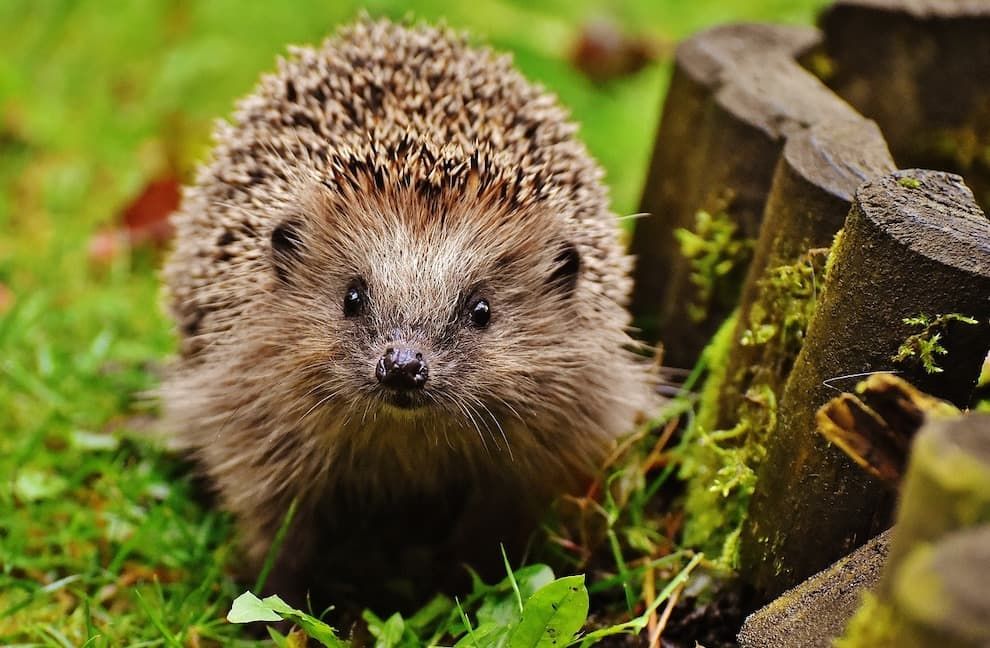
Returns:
point(353, 301)
point(481, 313)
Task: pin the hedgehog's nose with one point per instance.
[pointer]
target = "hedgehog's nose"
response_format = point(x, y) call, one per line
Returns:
point(402, 369)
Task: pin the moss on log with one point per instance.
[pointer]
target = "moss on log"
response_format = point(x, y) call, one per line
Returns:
point(735, 95)
point(915, 243)
point(940, 593)
point(812, 190)
point(947, 486)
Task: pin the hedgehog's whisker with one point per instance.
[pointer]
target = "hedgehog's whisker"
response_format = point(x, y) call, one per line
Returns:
point(317, 404)
point(469, 417)
point(499, 425)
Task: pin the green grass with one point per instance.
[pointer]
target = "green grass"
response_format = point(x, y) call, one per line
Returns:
point(101, 540)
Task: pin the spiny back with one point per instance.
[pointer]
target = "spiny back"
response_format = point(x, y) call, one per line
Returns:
point(381, 108)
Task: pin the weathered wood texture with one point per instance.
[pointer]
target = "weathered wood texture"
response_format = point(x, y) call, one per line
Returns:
point(921, 69)
point(811, 195)
point(735, 95)
point(811, 614)
point(876, 425)
point(915, 242)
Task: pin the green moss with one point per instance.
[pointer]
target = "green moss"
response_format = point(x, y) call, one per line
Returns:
point(721, 466)
point(833, 253)
point(924, 346)
point(910, 183)
point(780, 317)
point(704, 515)
point(714, 249)
point(715, 356)
point(871, 627)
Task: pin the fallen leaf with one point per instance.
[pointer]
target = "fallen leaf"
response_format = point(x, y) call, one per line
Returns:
point(144, 222)
point(146, 218)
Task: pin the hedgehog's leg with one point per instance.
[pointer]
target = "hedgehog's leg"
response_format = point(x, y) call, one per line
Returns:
point(291, 575)
point(261, 487)
point(291, 556)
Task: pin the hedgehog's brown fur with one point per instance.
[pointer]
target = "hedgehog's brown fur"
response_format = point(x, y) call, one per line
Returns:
point(432, 171)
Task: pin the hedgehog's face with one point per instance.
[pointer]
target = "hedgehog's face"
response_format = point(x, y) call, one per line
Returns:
point(466, 319)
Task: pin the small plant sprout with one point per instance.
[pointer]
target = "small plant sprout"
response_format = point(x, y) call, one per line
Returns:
point(925, 345)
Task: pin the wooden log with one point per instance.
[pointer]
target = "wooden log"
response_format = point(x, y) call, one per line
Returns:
point(814, 182)
point(933, 590)
point(947, 486)
point(915, 242)
point(812, 613)
point(736, 93)
point(811, 195)
point(940, 593)
point(921, 69)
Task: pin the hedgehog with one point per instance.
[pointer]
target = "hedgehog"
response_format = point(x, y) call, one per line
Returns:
point(401, 295)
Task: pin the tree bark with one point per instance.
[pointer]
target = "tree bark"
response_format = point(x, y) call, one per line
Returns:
point(915, 243)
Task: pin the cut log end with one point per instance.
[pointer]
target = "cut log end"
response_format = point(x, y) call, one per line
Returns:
point(933, 214)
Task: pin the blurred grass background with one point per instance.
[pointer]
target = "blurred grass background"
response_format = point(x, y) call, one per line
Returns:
point(99, 535)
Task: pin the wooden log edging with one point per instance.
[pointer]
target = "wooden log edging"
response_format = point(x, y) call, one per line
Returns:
point(735, 94)
point(947, 486)
point(815, 611)
point(921, 69)
point(812, 192)
point(915, 243)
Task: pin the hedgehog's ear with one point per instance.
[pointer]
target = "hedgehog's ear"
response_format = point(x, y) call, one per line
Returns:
point(287, 246)
point(566, 266)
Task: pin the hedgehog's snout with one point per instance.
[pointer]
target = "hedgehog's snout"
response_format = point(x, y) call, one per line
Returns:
point(402, 369)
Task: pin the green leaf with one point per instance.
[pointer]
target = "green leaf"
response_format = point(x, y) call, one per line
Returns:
point(553, 615)
point(487, 635)
point(501, 606)
point(277, 637)
point(438, 607)
point(533, 578)
point(311, 625)
point(387, 634)
point(248, 608)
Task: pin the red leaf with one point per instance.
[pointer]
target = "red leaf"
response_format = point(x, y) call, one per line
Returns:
point(146, 218)
point(144, 222)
